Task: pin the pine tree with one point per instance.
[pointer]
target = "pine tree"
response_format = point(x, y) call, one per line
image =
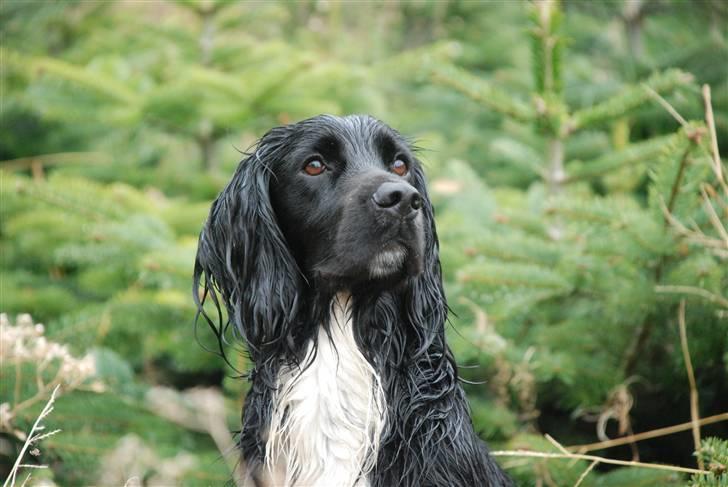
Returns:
point(714, 454)
point(573, 284)
point(197, 80)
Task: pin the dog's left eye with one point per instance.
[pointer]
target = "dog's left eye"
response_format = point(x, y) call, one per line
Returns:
point(399, 167)
point(314, 167)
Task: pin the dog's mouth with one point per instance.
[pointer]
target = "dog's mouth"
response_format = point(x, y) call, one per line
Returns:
point(387, 264)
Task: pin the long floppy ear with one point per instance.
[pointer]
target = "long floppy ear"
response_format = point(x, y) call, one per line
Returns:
point(243, 260)
point(431, 414)
point(429, 439)
point(426, 304)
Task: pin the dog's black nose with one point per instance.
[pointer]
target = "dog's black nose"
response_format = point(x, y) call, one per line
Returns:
point(400, 198)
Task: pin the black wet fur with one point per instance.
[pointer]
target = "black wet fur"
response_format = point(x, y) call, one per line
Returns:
point(279, 244)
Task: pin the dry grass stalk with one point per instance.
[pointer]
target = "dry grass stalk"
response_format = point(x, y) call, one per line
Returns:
point(710, 121)
point(558, 445)
point(665, 105)
point(27, 479)
point(716, 246)
point(586, 472)
point(714, 218)
point(34, 436)
point(694, 412)
point(696, 291)
point(595, 460)
point(656, 433)
point(611, 461)
point(619, 404)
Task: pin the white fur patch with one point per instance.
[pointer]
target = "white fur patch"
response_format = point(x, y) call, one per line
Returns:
point(387, 262)
point(328, 417)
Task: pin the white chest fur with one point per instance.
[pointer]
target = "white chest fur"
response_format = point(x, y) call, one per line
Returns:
point(328, 416)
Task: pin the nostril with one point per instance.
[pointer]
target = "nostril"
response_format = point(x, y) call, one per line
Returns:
point(386, 198)
point(416, 202)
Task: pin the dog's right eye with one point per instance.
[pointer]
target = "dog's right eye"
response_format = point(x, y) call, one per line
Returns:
point(314, 167)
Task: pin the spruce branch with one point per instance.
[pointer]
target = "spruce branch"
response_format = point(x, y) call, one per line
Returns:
point(418, 60)
point(531, 276)
point(678, 179)
point(105, 86)
point(633, 15)
point(714, 453)
point(715, 245)
point(218, 81)
point(642, 334)
point(200, 8)
point(24, 163)
point(555, 181)
point(207, 35)
point(694, 133)
point(605, 214)
point(547, 46)
point(276, 83)
point(628, 99)
point(230, 86)
point(640, 152)
point(556, 175)
point(42, 192)
point(638, 342)
point(482, 92)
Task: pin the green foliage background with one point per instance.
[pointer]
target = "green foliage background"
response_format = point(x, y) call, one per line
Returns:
point(550, 163)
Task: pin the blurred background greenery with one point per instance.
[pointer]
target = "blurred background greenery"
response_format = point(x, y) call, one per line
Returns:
point(578, 218)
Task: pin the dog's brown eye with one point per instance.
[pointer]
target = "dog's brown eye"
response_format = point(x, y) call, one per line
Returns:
point(399, 167)
point(314, 167)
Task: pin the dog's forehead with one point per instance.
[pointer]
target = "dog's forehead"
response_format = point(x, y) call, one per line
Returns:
point(351, 126)
point(355, 135)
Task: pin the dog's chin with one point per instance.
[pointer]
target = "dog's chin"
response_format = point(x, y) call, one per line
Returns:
point(388, 261)
point(387, 268)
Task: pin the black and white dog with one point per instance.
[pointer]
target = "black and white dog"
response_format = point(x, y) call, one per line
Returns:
point(323, 251)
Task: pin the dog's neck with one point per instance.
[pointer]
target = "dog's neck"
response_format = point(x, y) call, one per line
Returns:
point(329, 413)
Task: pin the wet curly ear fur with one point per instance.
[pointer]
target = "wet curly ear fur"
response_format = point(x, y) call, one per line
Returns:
point(243, 260)
point(429, 439)
point(244, 265)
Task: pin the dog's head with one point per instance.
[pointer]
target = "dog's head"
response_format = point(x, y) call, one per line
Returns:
point(328, 204)
point(344, 192)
